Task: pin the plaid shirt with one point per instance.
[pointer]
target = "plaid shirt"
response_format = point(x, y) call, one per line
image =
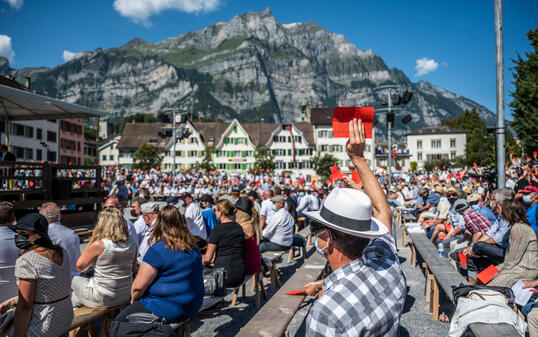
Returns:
point(364, 297)
point(475, 222)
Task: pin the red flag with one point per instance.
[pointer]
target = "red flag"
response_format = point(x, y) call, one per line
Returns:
point(535, 154)
point(356, 177)
point(343, 115)
point(506, 165)
point(475, 165)
point(394, 153)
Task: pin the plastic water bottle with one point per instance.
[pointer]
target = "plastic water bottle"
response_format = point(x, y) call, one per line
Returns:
point(441, 249)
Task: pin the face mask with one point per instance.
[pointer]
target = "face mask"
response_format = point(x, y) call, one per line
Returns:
point(475, 207)
point(319, 250)
point(452, 200)
point(301, 194)
point(22, 242)
point(274, 208)
point(527, 199)
point(133, 213)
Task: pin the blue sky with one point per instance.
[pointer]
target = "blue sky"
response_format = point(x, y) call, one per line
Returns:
point(454, 39)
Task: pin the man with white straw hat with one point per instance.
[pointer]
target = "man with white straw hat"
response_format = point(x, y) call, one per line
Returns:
point(365, 293)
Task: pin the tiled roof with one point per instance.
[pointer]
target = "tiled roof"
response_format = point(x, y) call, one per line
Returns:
point(307, 130)
point(259, 133)
point(137, 134)
point(211, 130)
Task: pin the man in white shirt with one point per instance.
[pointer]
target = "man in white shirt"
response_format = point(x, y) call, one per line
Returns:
point(278, 232)
point(266, 211)
point(139, 225)
point(8, 253)
point(149, 212)
point(193, 215)
point(61, 235)
point(313, 202)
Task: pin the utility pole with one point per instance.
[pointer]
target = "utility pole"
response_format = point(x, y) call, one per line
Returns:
point(499, 62)
point(390, 119)
point(174, 146)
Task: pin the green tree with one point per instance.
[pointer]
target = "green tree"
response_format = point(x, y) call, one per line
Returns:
point(206, 164)
point(137, 118)
point(441, 164)
point(525, 103)
point(89, 160)
point(322, 164)
point(414, 165)
point(263, 159)
point(479, 149)
point(146, 157)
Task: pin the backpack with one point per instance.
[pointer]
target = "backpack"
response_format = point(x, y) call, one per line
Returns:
point(462, 290)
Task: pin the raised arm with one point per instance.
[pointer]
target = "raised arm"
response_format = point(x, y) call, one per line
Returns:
point(355, 150)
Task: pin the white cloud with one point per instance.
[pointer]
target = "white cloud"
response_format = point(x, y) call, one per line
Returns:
point(17, 4)
point(425, 65)
point(69, 55)
point(5, 48)
point(140, 10)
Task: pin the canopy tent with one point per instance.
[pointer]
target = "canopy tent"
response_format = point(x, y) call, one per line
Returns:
point(16, 105)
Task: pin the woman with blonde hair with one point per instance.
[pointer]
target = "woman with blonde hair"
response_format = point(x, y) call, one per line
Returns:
point(226, 244)
point(112, 253)
point(169, 285)
point(244, 217)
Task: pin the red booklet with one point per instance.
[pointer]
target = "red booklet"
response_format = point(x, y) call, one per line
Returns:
point(343, 115)
point(486, 275)
point(463, 259)
point(296, 292)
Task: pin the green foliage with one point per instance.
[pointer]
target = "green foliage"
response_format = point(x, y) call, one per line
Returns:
point(479, 149)
point(263, 159)
point(525, 103)
point(137, 118)
point(206, 164)
point(89, 160)
point(90, 133)
point(146, 157)
point(414, 165)
point(322, 164)
point(441, 164)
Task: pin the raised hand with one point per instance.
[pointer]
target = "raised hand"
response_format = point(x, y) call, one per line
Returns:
point(356, 143)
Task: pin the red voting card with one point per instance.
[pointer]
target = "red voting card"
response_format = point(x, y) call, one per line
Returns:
point(356, 178)
point(534, 290)
point(442, 236)
point(486, 275)
point(448, 227)
point(463, 259)
point(343, 115)
point(296, 292)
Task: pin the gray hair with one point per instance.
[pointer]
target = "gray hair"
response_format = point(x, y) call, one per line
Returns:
point(503, 194)
point(50, 211)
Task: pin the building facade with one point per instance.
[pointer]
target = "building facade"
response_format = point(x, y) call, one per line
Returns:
point(137, 134)
point(109, 153)
point(189, 151)
point(234, 151)
point(32, 140)
point(71, 132)
point(436, 143)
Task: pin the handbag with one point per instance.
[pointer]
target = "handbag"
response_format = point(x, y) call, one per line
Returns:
point(8, 315)
point(214, 282)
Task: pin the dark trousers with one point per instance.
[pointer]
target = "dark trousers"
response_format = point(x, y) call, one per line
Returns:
point(487, 254)
point(267, 245)
point(132, 308)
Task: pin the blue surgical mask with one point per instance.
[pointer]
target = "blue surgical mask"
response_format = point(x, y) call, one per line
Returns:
point(274, 208)
point(319, 250)
point(301, 194)
point(476, 207)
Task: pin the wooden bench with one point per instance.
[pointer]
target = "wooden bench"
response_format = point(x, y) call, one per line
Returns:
point(257, 287)
point(274, 257)
point(490, 330)
point(274, 317)
point(440, 274)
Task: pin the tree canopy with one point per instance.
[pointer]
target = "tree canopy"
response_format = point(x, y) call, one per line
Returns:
point(146, 157)
point(206, 164)
point(322, 164)
point(479, 149)
point(525, 103)
point(263, 159)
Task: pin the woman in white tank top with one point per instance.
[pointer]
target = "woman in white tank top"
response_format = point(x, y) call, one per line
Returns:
point(112, 253)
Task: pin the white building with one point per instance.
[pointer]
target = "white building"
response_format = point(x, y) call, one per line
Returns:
point(435, 143)
point(189, 151)
point(109, 153)
point(35, 141)
point(234, 150)
point(321, 119)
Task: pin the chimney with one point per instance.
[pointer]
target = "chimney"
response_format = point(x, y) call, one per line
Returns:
point(27, 82)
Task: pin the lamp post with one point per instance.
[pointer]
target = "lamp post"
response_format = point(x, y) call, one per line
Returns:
point(174, 138)
point(499, 62)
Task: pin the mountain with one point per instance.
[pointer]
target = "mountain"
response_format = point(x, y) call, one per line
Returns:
point(250, 68)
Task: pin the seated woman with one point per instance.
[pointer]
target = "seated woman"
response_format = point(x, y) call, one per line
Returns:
point(522, 253)
point(112, 253)
point(225, 245)
point(43, 273)
point(243, 216)
point(169, 283)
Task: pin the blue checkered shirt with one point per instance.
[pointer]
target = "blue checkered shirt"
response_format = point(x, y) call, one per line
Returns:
point(364, 297)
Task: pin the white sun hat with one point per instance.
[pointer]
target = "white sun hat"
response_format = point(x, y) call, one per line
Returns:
point(349, 211)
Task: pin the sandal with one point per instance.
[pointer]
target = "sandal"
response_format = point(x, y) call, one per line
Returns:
point(444, 318)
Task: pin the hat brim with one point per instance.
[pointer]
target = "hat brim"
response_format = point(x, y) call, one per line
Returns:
point(378, 229)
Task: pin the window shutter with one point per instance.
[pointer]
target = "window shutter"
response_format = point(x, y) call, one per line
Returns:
point(236, 141)
point(243, 167)
point(225, 140)
point(243, 154)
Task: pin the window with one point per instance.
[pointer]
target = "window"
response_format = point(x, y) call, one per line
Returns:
point(453, 155)
point(111, 157)
point(298, 139)
point(51, 136)
point(103, 157)
point(29, 132)
point(436, 143)
point(452, 142)
point(419, 144)
point(39, 154)
point(419, 156)
point(323, 148)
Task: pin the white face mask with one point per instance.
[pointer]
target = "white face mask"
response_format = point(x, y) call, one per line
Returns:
point(527, 199)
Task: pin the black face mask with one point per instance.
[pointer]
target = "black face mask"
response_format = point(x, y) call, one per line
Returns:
point(22, 242)
point(452, 200)
point(133, 214)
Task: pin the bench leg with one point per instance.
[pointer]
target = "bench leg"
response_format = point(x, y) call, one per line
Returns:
point(413, 255)
point(291, 254)
point(253, 283)
point(297, 229)
point(234, 298)
point(435, 300)
point(404, 239)
point(273, 283)
point(303, 249)
point(243, 290)
point(256, 278)
point(428, 285)
point(277, 280)
point(262, 287)
point(309, 239)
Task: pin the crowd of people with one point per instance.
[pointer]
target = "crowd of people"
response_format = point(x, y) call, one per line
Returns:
point(157, 235)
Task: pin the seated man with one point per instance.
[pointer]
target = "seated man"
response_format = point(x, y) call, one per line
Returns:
point(365, 294)
point(475, 202)
point(455, 227)
point(278, 232)
point(491, 247)
point(61, 235)
point(423, 202)
point(529, 197)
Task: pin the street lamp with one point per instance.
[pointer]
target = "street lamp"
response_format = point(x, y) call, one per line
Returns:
point(165, 132)
point(393, 97)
